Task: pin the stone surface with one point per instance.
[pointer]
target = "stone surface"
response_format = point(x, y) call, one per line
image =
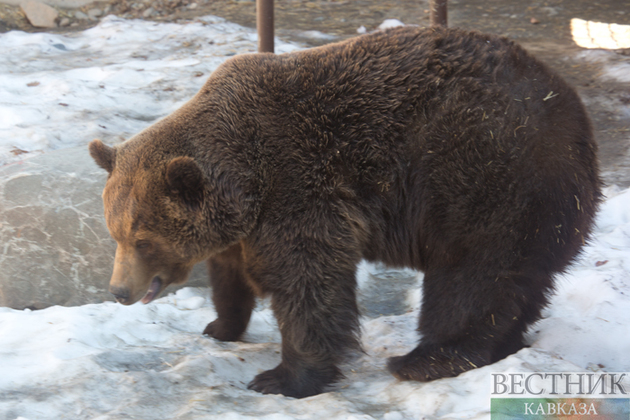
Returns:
point(94, 13)
point(39, 14)
point(64, 4)
point(56, 249)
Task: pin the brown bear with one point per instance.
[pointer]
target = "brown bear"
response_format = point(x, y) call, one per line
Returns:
point(451, 152)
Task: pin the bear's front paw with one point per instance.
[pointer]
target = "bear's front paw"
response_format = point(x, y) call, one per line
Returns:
point(269, 382)
point(426, 364)
point(286, 381)
point(223, 331)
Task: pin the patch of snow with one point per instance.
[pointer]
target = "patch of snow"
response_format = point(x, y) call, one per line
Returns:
point(317, 35)
point(107, 82)
point(390, 23)
point(614, 65)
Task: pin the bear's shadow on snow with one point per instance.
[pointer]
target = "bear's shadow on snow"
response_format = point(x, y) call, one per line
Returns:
point(125, 361)
point(384, 292)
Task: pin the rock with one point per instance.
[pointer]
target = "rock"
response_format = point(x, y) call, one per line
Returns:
point(56, 249)
point(64, 22)
point(148, 12)
point(39, 14)
point(80, 15)
point(61, 4)
point(551, 11)
point(94, 13)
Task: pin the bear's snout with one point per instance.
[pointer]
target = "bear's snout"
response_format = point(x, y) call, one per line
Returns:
point(121, 294)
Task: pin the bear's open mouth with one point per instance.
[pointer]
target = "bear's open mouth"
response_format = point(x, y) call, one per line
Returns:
point(154, 289)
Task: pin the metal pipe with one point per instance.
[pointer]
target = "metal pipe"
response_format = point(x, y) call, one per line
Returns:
point(264, 23)
point(438, 12)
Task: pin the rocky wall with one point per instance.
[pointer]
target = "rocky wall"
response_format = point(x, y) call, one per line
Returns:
point(55, 247)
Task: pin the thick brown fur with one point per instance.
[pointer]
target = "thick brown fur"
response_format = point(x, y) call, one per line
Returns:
point(450, 152)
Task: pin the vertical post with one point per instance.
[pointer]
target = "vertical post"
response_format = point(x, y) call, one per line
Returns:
point(438, 12)
point(264, 23)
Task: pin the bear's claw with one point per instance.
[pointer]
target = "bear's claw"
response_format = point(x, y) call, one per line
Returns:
point(223, 331)
point(287, 381)
point(426, 364)
point(266, 383)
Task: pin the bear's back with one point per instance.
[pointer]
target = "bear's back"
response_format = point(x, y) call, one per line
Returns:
point(439, 136)
point(378, 103)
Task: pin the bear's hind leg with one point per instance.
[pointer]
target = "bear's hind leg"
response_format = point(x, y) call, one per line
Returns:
point(233, 297)
point(513, 340)
point(470, 319)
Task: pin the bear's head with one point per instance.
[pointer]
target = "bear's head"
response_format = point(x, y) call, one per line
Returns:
point(165, 215)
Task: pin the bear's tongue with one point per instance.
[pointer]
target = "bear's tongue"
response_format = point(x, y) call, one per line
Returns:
point(154, 289)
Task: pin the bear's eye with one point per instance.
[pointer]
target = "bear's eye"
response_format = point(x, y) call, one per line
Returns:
point(143, 245)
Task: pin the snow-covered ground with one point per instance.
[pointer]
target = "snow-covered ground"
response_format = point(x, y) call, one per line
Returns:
point(107, 361)
point(108, 82)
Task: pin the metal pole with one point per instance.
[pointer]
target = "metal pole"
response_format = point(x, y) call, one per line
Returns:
point(438, 12)
point(264, 23)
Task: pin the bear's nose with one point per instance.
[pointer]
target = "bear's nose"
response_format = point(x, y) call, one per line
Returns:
point(120, 293)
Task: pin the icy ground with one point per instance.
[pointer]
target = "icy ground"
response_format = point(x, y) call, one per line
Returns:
point(108, 361)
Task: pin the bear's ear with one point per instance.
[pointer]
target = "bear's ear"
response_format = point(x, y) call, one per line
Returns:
point(186, 180)
point(104, 156)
